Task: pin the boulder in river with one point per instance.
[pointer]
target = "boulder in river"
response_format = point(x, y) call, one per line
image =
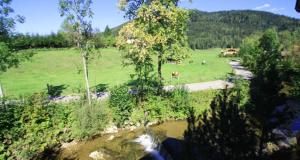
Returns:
point(111, 137)
point(110, 129)
point(68, 145)
point(99, 155)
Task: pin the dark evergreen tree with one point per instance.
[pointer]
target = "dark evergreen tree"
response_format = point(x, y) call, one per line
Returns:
point(224, 132)
point(265, 87)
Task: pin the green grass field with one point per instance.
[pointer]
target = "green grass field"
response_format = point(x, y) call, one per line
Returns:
point(63, 67)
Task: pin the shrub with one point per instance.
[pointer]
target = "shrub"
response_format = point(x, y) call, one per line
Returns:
point(158, 108)
point(137, 116)
point(122, 104)
point(55, 91)
point(180, 102)
point(32, 127)
point(89, 120)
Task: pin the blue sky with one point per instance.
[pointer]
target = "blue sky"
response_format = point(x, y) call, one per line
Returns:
point(42, 16)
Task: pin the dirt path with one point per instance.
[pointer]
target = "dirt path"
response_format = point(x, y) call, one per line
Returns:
point(240, 70)
point(218, 84)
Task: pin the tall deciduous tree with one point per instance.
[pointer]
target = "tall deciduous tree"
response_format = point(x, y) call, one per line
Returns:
point(137, 46)
point(166, 24)
point(79, 14)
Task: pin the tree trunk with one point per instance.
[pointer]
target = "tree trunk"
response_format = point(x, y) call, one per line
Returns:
point(86, 77)
point(160, 84)
point(1, 91)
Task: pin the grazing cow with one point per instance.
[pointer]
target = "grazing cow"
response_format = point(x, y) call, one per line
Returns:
point(175, 75)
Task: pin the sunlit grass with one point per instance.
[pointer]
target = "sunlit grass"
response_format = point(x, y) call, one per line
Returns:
point(63, 66)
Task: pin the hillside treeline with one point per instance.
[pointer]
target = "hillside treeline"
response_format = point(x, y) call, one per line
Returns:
point(229, 28)
point(59, 40)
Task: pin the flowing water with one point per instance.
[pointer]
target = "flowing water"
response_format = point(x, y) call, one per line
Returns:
point(129, 145)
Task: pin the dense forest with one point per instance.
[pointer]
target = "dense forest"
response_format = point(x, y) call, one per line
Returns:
point(229, 28)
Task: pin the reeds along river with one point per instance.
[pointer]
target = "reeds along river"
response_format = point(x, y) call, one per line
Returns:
point(138, 144)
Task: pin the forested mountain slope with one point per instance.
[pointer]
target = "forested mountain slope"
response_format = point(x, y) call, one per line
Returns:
point(229, 28)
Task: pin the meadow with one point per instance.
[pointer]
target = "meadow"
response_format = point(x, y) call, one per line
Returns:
point(64, 67)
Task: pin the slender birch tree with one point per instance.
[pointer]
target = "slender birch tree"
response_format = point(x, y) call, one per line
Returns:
point(79, 15)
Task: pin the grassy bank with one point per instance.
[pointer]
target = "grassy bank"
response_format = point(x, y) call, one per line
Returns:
point(63, 67)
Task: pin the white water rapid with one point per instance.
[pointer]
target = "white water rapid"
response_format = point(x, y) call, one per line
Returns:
point(149, 144)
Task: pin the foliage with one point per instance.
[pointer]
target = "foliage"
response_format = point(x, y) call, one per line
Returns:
point(136, 45)
point(168, 27)
point(26, 41)
point(29, 128)
point(7, 59)
point(200, 101)
point(9, 56)
point(288, 65)
point(55, 91)
point(7, 22)
point(295, 90)
point(130, 7)
point(249, 51)
point(89, 120)
point(220, 29)
point(108, 38)
point(242, 88)
point(157, 108)
point(171, 105)
point(164, 37)
point(122, 104)
point(180, 102)
point(223, 132)
point(266, 86)
point(12, 58)
point(32, 125)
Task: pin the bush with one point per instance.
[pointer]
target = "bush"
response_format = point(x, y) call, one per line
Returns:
point(32, 127)
point(55, 91)
point(180, 102)
point(158, 108)
point(122, 104)
point(89, 120)
point(223, 132)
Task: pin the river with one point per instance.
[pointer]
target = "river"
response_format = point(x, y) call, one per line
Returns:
point(129, 145)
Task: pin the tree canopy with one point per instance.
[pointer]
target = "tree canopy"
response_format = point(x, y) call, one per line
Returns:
point(158, 29)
